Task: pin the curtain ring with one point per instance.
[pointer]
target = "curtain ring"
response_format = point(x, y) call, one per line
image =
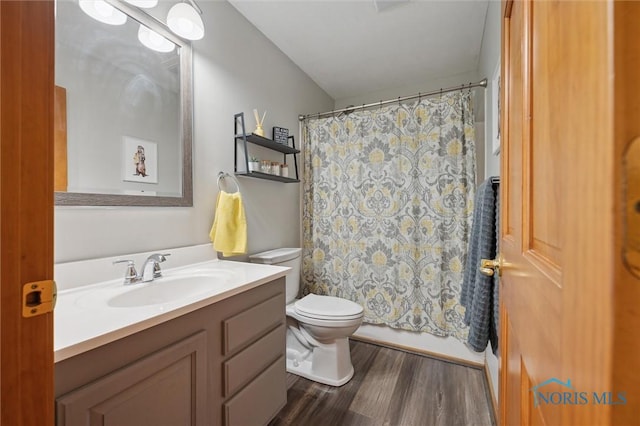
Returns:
point(398, 100)
point(419, 97)
point(380, 106)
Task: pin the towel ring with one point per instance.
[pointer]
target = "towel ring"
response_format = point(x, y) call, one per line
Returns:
point(223, 175)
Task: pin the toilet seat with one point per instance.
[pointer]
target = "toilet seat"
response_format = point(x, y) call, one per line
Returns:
point(328, 308)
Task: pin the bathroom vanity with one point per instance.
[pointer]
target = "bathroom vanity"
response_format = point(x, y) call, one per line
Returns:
point(220, 364)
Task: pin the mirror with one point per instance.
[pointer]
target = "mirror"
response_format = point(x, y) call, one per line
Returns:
point(123, 112)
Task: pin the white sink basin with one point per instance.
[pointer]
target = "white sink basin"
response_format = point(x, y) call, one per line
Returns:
point(165, 290)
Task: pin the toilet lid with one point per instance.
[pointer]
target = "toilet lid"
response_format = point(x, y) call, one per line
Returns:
point(316, 306)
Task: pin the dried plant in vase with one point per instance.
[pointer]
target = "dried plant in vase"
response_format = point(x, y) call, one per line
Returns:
point(259, 130)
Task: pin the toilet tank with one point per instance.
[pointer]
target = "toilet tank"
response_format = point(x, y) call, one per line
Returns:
point(289, 257)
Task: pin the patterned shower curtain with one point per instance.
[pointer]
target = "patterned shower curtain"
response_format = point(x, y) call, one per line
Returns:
point(387, 209)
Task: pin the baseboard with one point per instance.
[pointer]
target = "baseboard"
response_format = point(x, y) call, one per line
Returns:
point(436, 355)
point(492, 393)
point(446, 348)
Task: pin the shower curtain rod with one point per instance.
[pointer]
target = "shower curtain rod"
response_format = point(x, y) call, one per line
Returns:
point(482, 83)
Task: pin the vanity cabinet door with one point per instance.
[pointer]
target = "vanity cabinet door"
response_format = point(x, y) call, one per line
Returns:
point(167, 388)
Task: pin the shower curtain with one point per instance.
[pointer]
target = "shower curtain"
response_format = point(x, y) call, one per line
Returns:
point(387, 209)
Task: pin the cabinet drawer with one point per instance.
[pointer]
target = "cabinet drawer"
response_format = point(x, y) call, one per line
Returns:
point(245, 327)
point(260, 400)
point(243, 367)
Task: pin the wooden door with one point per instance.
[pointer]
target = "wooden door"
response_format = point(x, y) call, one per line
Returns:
point(26, 208)
point(569, 315)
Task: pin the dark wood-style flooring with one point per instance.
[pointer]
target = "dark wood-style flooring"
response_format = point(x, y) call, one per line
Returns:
point(391, 388)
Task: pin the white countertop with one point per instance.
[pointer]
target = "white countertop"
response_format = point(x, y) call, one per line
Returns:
point(83, 320)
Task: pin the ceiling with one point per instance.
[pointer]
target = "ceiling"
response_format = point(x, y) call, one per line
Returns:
point(351, 48)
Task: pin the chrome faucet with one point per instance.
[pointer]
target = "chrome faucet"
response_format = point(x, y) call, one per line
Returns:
point(150, 269)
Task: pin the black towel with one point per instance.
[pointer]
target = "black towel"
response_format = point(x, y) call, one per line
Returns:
point(479, 292)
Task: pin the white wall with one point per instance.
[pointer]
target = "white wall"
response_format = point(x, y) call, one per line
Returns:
point(235, 69)
point(489, 59)
point(412, 89)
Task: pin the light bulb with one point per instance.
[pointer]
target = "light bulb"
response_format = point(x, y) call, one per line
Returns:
point(185, 25)
point(185, 21)
point(153, 40)
point(103, 12)
point(145, 4)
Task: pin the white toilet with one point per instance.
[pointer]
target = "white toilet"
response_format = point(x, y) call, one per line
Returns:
point(318, 327)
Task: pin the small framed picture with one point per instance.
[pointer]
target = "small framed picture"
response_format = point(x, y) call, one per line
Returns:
point(139, 160)
point(280, 135)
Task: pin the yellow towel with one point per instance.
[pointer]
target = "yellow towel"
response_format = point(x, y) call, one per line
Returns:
point(229, 230)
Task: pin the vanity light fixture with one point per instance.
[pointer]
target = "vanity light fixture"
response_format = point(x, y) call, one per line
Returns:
point(184, 20)
point(102, 11)
point(153, 40)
